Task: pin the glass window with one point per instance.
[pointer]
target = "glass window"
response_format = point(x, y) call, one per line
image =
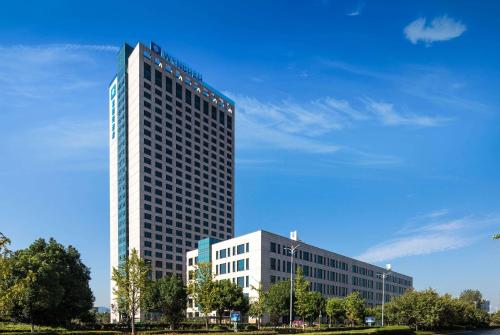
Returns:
point(178, 90)
point(240, 265)
point(240, 281)
point(240, 249)
point(168, 84)
point(147, 71)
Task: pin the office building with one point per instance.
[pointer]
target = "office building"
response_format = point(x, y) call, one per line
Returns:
point(171, 160)
point(261, 258)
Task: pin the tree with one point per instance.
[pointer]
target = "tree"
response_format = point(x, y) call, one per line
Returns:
point(4, 242)
point(131, 282)
point(496, 237)
point(354, 308)
point(302, 297)
point(9, 289)
point(316, 303)
point(168, 297)
point(203, 290)
point(335, 310)
point(428, 310)
point(473, 297)
point(258, 304)
point(51, 284)
point(278, 300)
point(229, 296)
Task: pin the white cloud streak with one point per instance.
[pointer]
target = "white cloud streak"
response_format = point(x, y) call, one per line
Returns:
point(440, 28)
point(388, 115)
point(431, 233)
point(412, 246)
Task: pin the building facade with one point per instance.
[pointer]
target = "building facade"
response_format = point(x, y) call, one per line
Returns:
point(260, 258)
point(171, 155)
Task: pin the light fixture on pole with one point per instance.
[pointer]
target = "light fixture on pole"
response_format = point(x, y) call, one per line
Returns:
point(384, 275)
point(291, 249)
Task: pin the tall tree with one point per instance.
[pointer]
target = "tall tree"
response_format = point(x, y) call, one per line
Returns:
point(278, 300)
point(354, 307)
point(316, 303)
point(258, 304)
point(335, 310)
point(53, 284)
point(203, 290)
point(131, 282)
point(496, 237)
point(302, 296)
point(168, 297)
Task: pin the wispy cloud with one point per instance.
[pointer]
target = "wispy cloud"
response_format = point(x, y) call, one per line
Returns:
point(286, 126)
point(358, 10)
point(388, 115)
point(431, 233)
point(441, 28)
point(305, 127)
point(54, 87)
point(413, 246)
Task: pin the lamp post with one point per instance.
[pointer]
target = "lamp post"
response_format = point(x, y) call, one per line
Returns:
point(292, 250)
point(384, 275)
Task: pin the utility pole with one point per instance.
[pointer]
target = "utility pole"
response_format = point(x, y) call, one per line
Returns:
point(292, 250)
point(384, 275)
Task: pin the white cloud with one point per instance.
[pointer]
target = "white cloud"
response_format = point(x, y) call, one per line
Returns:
point(412, 246)
point(441, 28)
point(431, 233)
point(388, 115)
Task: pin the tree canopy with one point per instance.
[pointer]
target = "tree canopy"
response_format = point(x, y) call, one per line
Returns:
point(167, 297)
point(278, 300)
point(49, 284)
point(428, 310)
point(131, 281)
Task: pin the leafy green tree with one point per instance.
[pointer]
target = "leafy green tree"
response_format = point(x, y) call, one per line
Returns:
point(473, 297)
point(203, 290)
point(131, 283)
point(302, 296)
point(335, 310)
point(229, 297)
point(278, 300)
point(354, 308)
point(496, 237)
point(428, 310)
point(168, 297)
point(316, 303)
point(258, 304)
point(51, 284)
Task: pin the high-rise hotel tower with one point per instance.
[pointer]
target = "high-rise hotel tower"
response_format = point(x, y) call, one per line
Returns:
point(171, 160)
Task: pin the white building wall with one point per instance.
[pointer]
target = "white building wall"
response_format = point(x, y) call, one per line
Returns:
point(259, 271)
point(135, 129)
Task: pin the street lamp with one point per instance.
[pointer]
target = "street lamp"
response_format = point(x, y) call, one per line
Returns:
point(292, 250)
point(384, 275)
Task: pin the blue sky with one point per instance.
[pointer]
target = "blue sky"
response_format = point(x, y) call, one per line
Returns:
point(373, 128)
